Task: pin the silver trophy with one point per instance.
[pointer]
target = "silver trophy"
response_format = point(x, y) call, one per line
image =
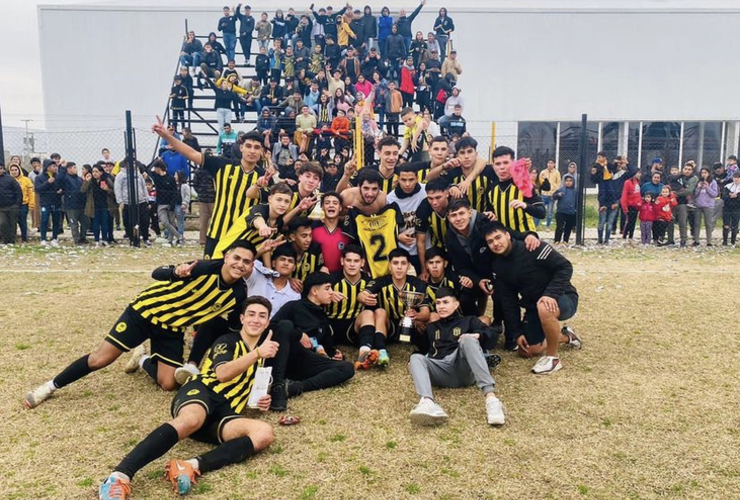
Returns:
point(410, 300)
point(318, 212)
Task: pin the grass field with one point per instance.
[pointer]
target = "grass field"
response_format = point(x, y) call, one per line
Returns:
point(648, 409)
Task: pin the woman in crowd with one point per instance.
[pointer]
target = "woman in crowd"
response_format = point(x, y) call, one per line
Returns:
point(99, 192)
point(418, 48)
point(443, 27)
point(29, 201)
point(408, 74)
point(422, 87)
point(704, 199)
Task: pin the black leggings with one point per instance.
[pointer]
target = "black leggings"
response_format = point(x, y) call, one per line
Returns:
point(629, 227)
point(564, 224)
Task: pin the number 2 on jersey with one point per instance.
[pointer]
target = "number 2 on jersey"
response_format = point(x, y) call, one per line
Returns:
point(379, 254)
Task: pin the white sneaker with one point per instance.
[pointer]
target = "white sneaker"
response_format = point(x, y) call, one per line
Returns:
point(55, 243)
point(573, 339)
point(37, 396)
point(427, 412)
point(44, 243)
point(183, 373)
point(547, 365)
point(133, 362)
point(495, 411)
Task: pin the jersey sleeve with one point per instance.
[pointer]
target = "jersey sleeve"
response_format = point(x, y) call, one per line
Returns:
point(223, 350)
point(422, 217)
point(258, 211)
point(213, 164)
point(349, 226)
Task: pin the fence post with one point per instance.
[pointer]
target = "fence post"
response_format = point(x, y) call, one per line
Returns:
point(2, 142)
point(493, 142)
point(133, 198)
point(582, 175)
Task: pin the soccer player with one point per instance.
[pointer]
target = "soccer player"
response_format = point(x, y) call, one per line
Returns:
point(383, 292)
point(299, 368)
point(183, 296)
point(431, 219)
point(308, 254)
point(232, 179)
point(451, 356)
point(376, 232)
point(350, 321)
point(273, 283)
point(209, 408)
point(539, 282)
point(388, 154)
point(438, 151)
point(440, 275)
point(328, 233)
point(261, 222)
point(309, 181)
point(408, 195)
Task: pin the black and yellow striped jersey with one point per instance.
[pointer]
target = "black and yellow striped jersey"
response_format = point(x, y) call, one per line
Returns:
point(387, 184)
point(388, 298)
point(447, 281)
point(311, 261)
point(479, 191)
point(430, 222)
point(377, 234)
point(175, 303)
point(236, 391)
point(243, 229)
point(515, 219)
point(231, 201)
point(265, 193)
point(422, 169)
point(348, 308)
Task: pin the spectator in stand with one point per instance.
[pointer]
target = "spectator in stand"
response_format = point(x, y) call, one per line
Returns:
point(246, 27)
point(704, 194)
point(385, 23)
point(408, 73)
point(371, 63)
point(226, 139)
point(404, 23)
point(183, 205)
point(203, 185)
point(357, 25)
point(451, 64)
point(217, 47)
point(443, 26)
point(731, 210)
point(11, 199)
point(74, 201)
point(225, 100)
point(549, 183)
point(305, 125)
point(50, 200)
point(264, 32)
point(340, 130)
point(190, 51)
point(423, 87)
point(291, 25)
point(211, 65)
point(265, 125)
point(277, 57)
point(350, 66)
point(279, 25)
point(284, 155)
point(175, 162)
point(565, 218)
point(167, 198)
point(442, 91)
point(262, 66)
point(187, 82)
point(393, 107)
point(29, 199)
point(227, 26)
point(417, 48)
point(99, 195)
point(432, 45)
point(189, 139)
point(369, 28)
point(344, 32)
point(453, 100)
point(630, 202)
point(178, 99)
point(332, 54)
point(455, 124)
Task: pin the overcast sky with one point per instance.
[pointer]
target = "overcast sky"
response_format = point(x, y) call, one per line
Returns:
point(20, 71)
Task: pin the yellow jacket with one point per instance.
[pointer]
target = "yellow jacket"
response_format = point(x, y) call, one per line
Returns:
point(344, 32)
point(27, 190)
point(234, 87)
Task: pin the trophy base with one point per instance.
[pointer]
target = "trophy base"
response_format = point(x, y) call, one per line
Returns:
point(404, 338)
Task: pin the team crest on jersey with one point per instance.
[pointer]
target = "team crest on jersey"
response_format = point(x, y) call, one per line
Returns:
point(193, 392)
point(340, 246)
point(456, 332)
point(219, 349)
point(217, 306)
point(121, 327)
point(307, 266)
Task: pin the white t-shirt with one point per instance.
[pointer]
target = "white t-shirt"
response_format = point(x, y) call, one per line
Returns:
point(261, 282)
point(409, 205)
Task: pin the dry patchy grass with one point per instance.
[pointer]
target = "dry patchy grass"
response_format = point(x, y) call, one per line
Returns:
point(647, 410)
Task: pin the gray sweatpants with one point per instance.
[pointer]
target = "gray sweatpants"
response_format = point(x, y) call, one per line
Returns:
point(167, 219)
point(708, 214)
point(462, 368)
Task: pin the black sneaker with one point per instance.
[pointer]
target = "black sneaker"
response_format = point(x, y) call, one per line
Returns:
point(294, 388)
point(279, 397)
point(493, 360)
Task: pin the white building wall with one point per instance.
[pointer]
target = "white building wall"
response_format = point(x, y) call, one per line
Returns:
point(529, 62)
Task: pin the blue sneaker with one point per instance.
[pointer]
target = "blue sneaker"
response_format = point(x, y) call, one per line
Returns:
point(182, 476)
point(383, 359)
point(115, 488)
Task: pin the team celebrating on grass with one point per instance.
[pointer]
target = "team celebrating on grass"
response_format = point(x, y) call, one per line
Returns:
point(412, 249)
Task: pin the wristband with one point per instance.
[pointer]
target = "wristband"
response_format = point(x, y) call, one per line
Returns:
point(259, 356)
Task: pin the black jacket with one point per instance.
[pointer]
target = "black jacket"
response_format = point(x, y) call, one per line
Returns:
point(167, 190)
point(464, 263)
point(369, 26)
point(227, 24)
point(246, 25)
point(522, 277)
point(10, 192)
point(204, 186)
point(50, 193)
point(359, 28)
point(395, 47)
point(74, 198)
point(441, 338)
point(404, 23)
point(307, 318)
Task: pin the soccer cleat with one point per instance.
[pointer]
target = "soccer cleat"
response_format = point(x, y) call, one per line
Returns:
point(133, 363)
point(427, 412)
point(37, 396)
point(493, 360)
point(366, 359)
point(573, 340)
point(383, 359)
point(546, 365)
point(115, 488)
point(183, 373)
point(182, 476)
point(495, 411)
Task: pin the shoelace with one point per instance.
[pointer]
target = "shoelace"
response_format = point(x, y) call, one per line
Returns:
point(119, 490)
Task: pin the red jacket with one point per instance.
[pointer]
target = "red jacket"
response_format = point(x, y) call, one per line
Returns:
point(647, 212)
point(631, 194)
point(663, 206)
point(407, 81)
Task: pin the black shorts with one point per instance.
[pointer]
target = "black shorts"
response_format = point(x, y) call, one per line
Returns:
point(343, 331)
point(567, 303)
point(131, 330)
point(218, 410)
